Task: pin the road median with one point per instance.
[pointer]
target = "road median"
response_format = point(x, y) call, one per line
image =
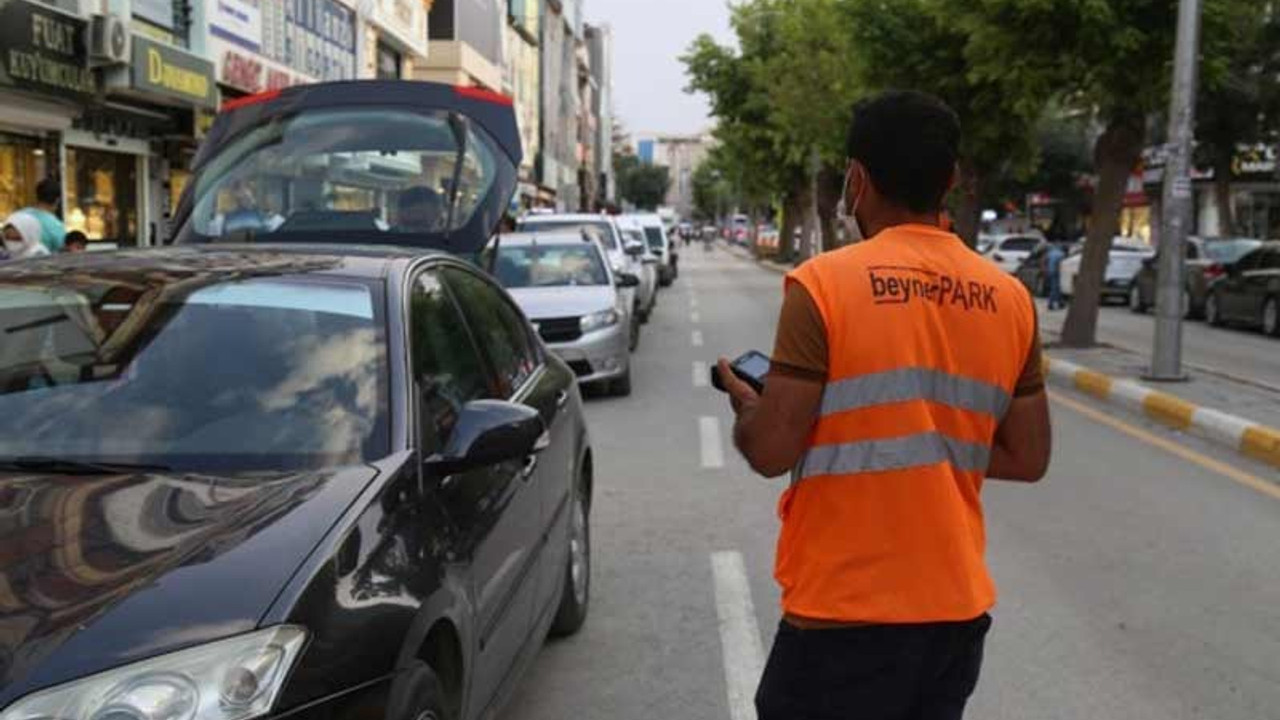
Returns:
point(1238, 434)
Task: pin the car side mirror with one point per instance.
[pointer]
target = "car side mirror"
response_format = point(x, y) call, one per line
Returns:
point(489, 432)
point(627, 280)
point(635, 249)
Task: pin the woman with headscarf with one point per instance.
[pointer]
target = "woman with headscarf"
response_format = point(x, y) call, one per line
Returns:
point(22, 237)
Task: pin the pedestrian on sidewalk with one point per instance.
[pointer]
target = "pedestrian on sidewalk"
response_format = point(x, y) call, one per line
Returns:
point(21, 236)
point(906, 369)
point(45, 211)
point(1053, 274)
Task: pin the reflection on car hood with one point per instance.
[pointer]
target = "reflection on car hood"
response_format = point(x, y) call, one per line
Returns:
point(565, 301)
point(100, 571)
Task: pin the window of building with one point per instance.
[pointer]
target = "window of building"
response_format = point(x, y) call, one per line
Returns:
point(390, 63)
point(440, 23)
point(102, 195)
point(23, 163)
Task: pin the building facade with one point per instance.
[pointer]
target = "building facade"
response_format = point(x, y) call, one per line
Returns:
point(681, 155)
point(558, 161)
point(522, 80)
point(600, 47)
point(467, 38)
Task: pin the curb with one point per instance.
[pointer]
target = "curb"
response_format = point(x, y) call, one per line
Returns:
point(1243, 436)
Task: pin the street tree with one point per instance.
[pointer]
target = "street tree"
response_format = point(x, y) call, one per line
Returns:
point(641, 184)
point(923, 45)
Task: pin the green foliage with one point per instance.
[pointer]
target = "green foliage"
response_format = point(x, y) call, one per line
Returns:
point(644, 186)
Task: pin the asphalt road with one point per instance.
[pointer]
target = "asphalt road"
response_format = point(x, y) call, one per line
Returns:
point(1238, 352)
point(1135, 583)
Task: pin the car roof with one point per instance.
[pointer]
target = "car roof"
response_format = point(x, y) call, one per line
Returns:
point(553, 237)
point(360, 261)
point(566, 217)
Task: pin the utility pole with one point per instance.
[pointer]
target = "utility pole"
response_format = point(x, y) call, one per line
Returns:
point(1166, 354)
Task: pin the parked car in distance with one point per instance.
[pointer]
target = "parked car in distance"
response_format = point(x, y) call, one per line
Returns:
point(1249, 291)
point(635, 245)
point(662, 243)
point(1207, 260)
point(1008, 251)
point(611, 241)
point(1123, 265)
point(281, 480)
point(1033, 271)
point(569, 292)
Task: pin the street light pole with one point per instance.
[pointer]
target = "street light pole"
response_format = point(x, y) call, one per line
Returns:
point(1166, 354)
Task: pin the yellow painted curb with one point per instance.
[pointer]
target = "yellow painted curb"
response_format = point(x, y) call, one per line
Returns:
point(1172, 411)
point(1263, 444)
point(1095, 384)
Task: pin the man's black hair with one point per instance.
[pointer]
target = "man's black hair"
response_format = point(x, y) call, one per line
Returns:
point(48, 191)
point(909, 142)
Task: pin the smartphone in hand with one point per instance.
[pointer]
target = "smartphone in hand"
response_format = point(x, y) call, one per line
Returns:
point(751, 367)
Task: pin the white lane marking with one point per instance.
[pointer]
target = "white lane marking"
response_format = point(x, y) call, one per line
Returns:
point(709, 439)
point(739, 634)
point(693, 302)
point(696, 338)
point(694, 317)
point(701, 375)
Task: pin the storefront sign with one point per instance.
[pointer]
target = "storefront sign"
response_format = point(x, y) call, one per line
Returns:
point(237, 21)
point(170, 72)
point(43, 50)
point(156, 12)
point(1254, 160)
point(404, 21)
point(296, 41)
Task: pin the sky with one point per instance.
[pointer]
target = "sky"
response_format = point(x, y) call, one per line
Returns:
point(649, 36)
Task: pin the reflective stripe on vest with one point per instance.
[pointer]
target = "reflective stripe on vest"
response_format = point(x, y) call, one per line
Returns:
point(915, 384)
point(895, 454)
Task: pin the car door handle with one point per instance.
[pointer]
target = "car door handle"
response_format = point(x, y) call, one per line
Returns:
point(530, 466)
point(562, 397)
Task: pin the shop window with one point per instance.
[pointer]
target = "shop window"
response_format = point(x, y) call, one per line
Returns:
point(390, 63)
point(102, 196)
point(1258, 214)
point(23, 163)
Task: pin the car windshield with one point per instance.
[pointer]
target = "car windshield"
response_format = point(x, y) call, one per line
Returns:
point(604, 227)
point(526, 266)
point(655, 237)
point(1229, 251)
point(274, 373)
point(342, 174)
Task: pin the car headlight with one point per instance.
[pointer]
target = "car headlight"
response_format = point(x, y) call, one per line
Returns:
point(594, 321)
point(234, 679)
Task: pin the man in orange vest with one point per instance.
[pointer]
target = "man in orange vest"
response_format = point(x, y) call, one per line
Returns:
point(906, 371)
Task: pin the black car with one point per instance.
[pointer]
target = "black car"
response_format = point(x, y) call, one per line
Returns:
point(310, 462)
point(1249, 292)
point(310, 481)
point(1206, 260)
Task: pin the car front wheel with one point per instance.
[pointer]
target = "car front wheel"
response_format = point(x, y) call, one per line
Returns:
point(622, 386)
point(1212, 311)
point(1271, 317)
point(417, 695)
point(576, 595)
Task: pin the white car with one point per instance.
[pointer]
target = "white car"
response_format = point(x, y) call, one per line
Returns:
point(662, 243)
point(1126, 259)
point(610, 239)
point(1008, 251)
point(635, 245)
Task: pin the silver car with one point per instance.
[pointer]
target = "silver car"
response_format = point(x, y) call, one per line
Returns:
point(610, 239)
point(570, 293)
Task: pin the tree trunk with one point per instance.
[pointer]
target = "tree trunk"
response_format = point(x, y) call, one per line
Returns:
point(1114, 157)
point(829, 181)
point(753, 232)
point(792, 208)
point(1222, 191)
point(968, 205)
point(805, 207)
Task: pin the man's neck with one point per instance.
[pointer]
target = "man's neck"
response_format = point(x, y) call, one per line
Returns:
point(45, 207)
point(904, 217)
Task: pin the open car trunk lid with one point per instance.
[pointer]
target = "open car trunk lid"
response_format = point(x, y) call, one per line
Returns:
point(367, 162)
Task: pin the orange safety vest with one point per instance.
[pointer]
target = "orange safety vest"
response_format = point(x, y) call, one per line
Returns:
point(883, 521)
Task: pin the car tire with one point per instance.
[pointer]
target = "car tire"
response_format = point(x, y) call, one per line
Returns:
point(1213, 311)
point(1135, 300)
point(1271, 317)
point(575, 596)
point(633, 342)
point(417, 694)
point(621, 387)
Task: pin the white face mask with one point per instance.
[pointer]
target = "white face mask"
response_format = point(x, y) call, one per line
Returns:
point(846, 216)
point(13, 247)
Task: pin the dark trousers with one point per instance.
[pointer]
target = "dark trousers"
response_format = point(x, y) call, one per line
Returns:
point(876, 672)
